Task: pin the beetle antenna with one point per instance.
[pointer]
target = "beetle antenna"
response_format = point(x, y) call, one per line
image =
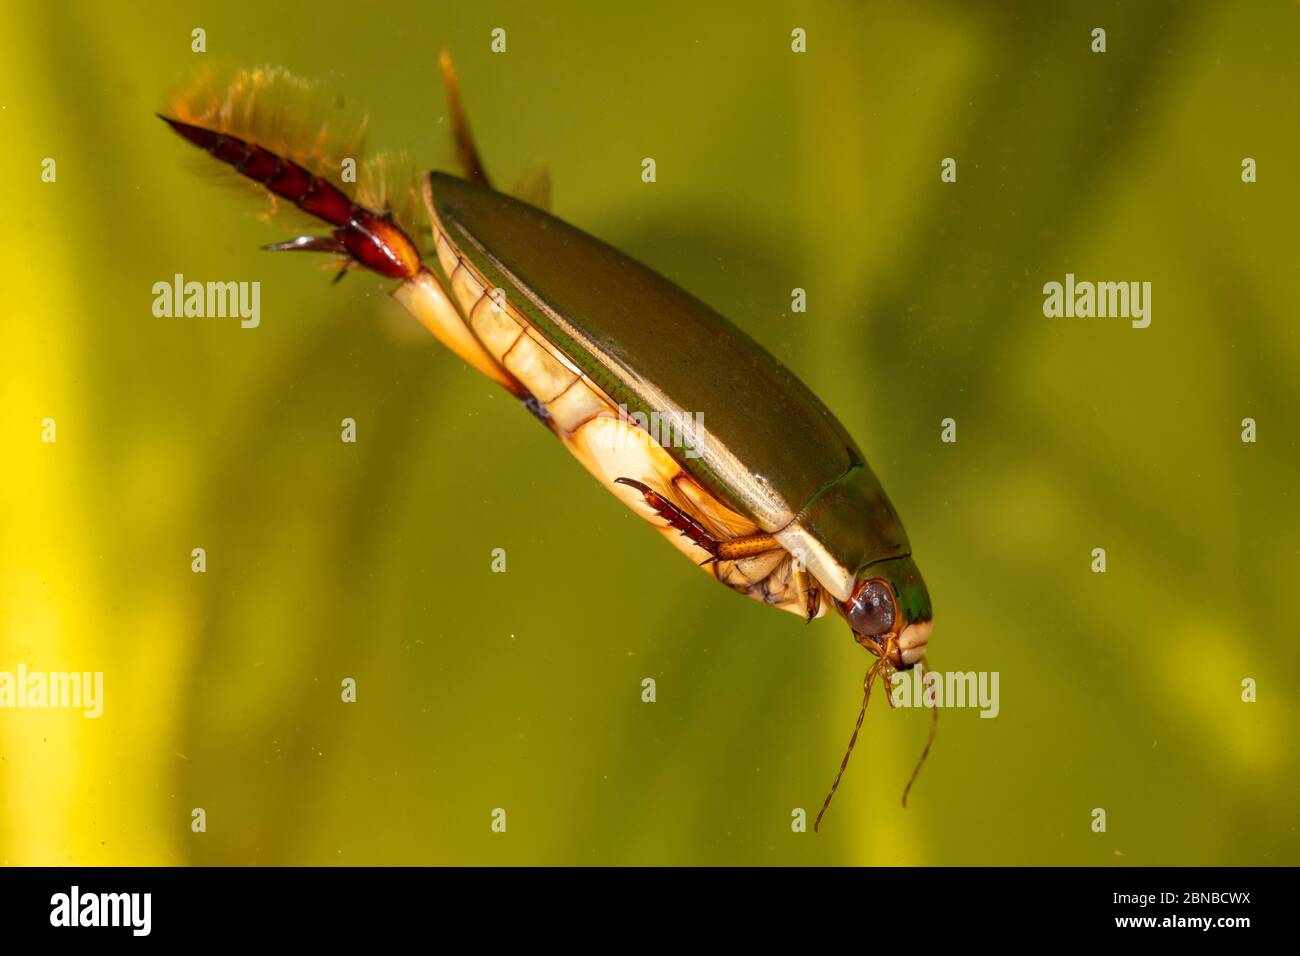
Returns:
point(867, 683)
point(934, 725)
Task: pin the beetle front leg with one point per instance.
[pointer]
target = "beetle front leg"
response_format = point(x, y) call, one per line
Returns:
point(811, 592)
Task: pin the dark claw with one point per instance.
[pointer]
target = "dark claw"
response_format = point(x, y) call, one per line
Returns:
point(633, 483)
point(309, 244)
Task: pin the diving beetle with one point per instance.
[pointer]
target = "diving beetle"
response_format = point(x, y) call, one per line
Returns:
point(764, 489)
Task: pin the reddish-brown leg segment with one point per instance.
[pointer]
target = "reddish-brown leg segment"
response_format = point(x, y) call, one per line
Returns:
point(367, 237)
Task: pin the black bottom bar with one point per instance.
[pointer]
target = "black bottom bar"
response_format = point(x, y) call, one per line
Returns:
point(333, 905)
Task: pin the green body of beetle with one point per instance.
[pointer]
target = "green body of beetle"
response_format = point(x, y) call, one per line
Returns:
point(604, 345)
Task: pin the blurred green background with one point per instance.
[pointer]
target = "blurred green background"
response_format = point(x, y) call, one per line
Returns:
point(522, 690)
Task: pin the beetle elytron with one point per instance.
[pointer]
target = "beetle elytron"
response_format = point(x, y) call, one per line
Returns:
point(770, 494)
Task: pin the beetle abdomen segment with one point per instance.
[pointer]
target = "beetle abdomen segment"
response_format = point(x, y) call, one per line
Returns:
point(569, 397)
point(537, 369)
point(576, 404)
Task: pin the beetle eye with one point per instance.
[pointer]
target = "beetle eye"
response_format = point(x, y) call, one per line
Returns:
point(871, 610)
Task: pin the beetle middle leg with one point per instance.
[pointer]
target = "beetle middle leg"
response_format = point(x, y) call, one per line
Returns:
point(732, 549)
point(745, 547)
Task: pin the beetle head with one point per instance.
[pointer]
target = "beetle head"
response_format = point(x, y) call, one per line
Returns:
point(889, 611)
